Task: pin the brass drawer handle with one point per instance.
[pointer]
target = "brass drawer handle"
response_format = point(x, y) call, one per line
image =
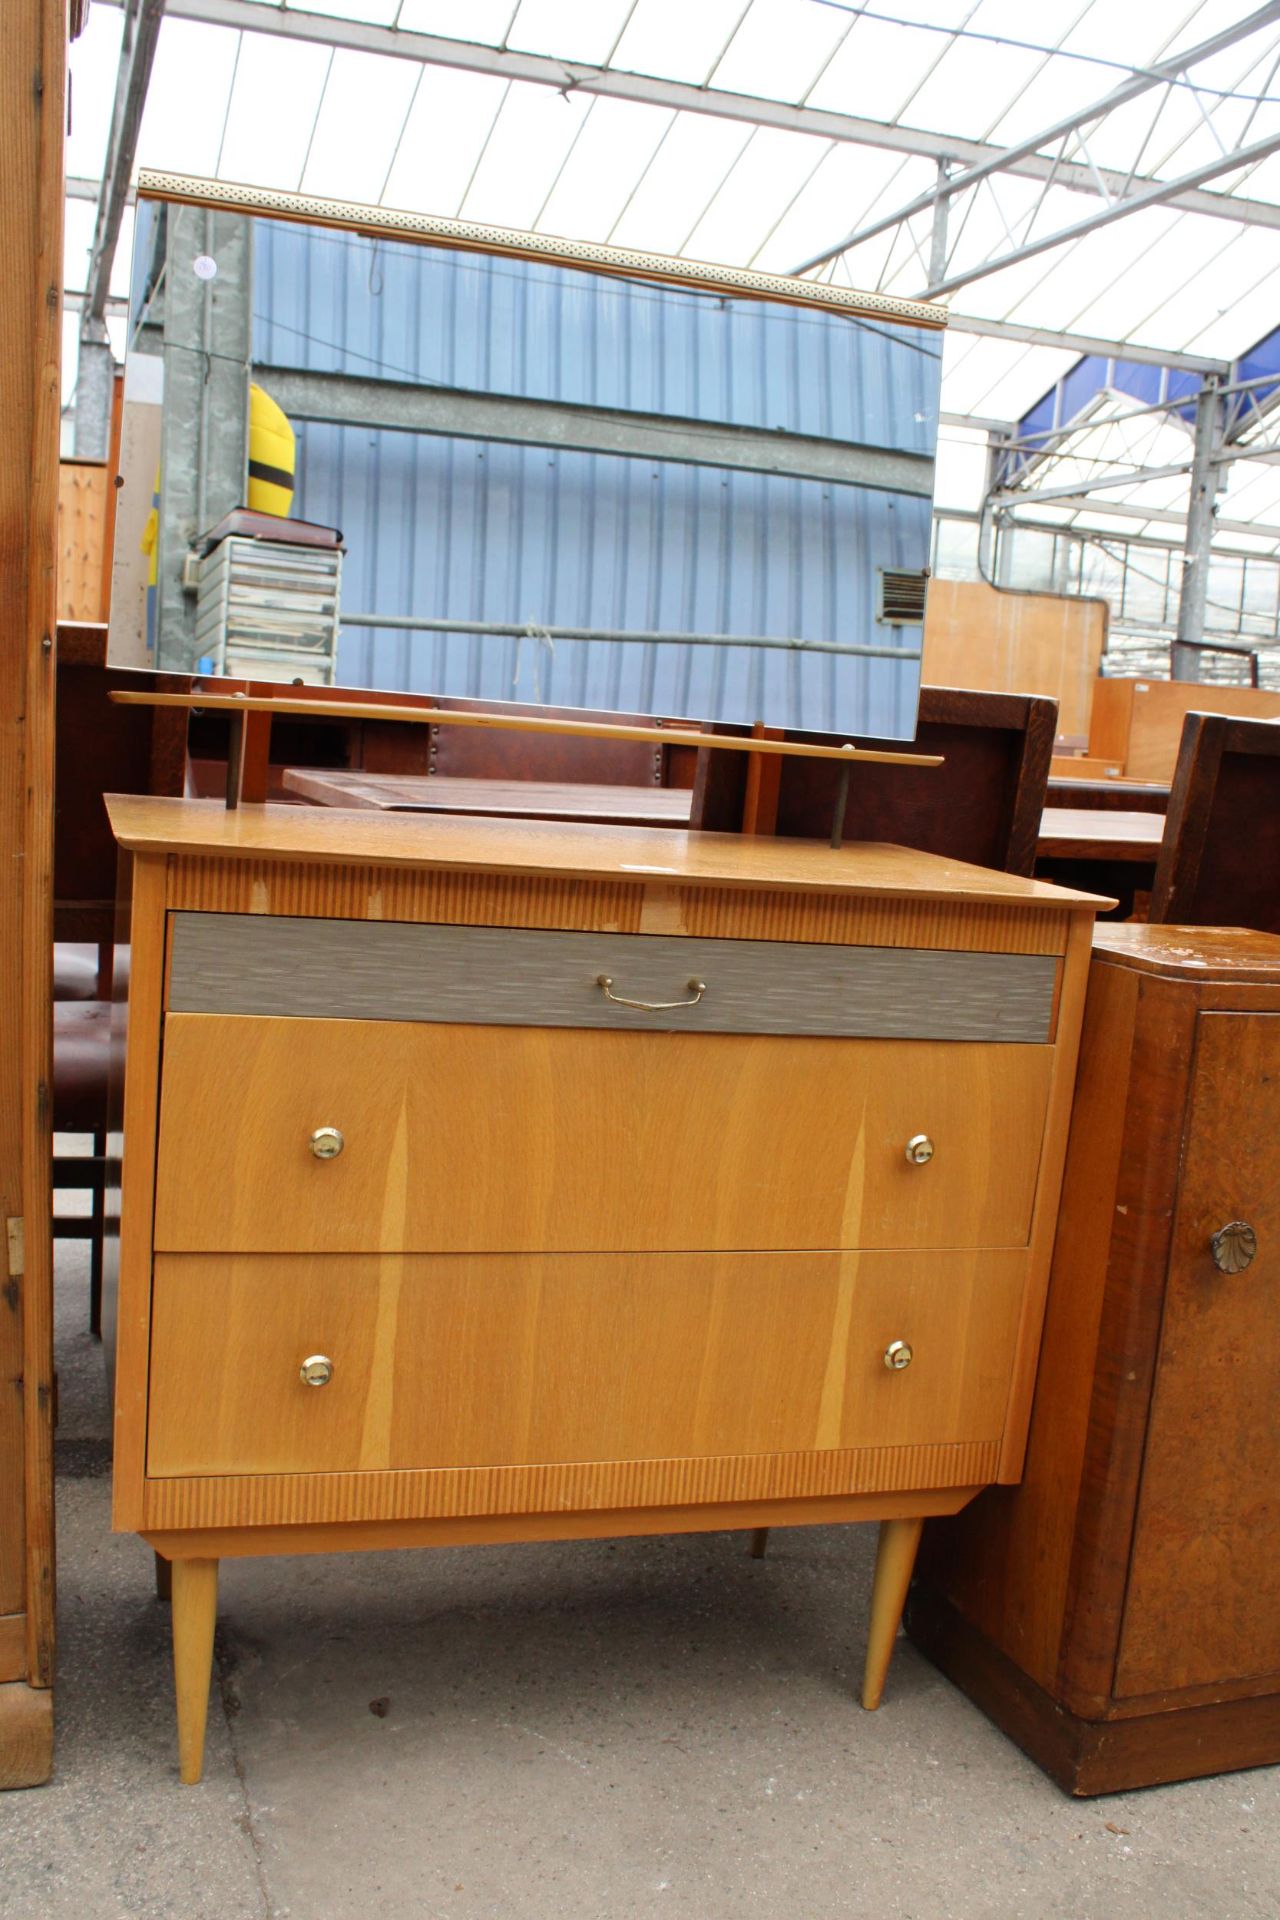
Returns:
point(919, 1149)
point(897, 1355)
point(316, 1370)
point(696, 987)
point(326, 1143)
point(1233, 1246)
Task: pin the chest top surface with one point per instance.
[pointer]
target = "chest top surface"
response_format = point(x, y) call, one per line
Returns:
point(570, 850)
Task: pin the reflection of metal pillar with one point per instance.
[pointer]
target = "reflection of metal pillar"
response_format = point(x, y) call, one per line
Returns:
point(94, 376)
point(204, 445)
point(1198, 544)
point(938, 239)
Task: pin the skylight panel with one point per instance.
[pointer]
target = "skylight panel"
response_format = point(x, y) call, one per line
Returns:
point(530, 138)
point(677, 40)
point(772, 168)
point(358, 124)
point(971, 87)
point(614, 147)
point(377, 13)
point(960, 474)
point(846, 181)
point(1061, 88)
point(92, 60)
point(575, 29)
point(1137, 35)
point(686, 172)
point(479, 20)
point(877, 70)
point(187, 99)
point(442, 140)
point(274, 102)
point(780, 48)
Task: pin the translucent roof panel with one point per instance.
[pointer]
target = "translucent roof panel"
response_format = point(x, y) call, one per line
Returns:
point(762, 132)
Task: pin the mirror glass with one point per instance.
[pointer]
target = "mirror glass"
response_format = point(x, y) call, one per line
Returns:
point(414, 461)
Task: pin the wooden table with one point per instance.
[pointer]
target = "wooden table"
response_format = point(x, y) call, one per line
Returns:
point(1138, 796)
point(527, 799)
point(1091, 833)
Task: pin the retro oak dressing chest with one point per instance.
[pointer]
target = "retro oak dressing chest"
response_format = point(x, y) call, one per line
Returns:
point(488, 1181)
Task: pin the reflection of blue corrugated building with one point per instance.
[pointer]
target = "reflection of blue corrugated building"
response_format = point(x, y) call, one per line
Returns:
point(473, 529)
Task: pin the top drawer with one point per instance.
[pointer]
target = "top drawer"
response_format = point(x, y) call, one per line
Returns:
point(500, 976)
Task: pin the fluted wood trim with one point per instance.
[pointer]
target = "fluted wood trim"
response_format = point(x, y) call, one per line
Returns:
point(591, 1486)
point(216, 885)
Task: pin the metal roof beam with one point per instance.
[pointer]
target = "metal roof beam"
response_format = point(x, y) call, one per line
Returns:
point(137, 51)
point(1155, 193)
point(1083, 343)
point(356, 400)
point(570, 76)
point(1158, 515)
point(1138, 83)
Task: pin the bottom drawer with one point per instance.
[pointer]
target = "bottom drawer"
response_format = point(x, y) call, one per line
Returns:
point(489, 1360)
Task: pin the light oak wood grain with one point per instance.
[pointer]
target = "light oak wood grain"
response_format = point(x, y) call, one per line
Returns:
point(525, 1139)
point(130, 1310)
point(170, 1498)
point(569, 849)
point(32, 128)
point(83, 505)
point(26, 1735)
point(13, 1646)
point(1008, 642)
point(493, 1361)
point(499, 722)
point(1139, 722)
point(513, 900)
point(1053, 1154)
point(532, 799)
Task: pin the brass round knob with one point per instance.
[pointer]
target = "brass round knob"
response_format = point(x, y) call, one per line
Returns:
point(897, 1355)
point(919, 1149)
point(326, 1143)
point(316, 1370)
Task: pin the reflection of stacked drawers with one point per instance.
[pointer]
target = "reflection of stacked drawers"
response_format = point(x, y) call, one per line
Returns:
point(268, 609)
point(568, 1265)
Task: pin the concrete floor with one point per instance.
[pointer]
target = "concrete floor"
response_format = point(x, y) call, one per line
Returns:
point(659, 1727)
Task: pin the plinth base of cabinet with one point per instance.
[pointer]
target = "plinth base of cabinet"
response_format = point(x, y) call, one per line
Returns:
point(26, 1735)
point(1088, 1757)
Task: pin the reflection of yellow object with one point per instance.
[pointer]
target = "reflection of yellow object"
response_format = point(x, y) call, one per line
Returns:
point(150, 542)
point(271, 456)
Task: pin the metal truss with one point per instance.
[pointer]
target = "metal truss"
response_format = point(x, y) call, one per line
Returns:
point(927, 225)
point(93, 387)
point(573, 76)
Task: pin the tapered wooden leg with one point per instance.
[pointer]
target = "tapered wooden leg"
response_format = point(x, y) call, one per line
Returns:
point(895, 1558)
point(759, 1542)
point(164, 1578)
point(195, 1605)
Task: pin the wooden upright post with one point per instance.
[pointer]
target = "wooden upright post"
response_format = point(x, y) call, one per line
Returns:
point(32, 109)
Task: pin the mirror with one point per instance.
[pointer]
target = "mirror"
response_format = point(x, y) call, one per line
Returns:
point(373, 449)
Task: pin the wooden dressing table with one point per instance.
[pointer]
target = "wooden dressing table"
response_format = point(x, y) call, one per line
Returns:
point(494, 1180)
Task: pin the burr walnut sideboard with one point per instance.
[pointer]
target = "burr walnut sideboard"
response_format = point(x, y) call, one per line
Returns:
point(486, 1180)
point(1118, 1613)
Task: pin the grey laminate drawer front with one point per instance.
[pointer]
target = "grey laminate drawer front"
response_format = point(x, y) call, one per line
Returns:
point(499, 976)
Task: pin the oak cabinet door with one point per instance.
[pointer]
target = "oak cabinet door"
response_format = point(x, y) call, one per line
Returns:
point(1203, 1601)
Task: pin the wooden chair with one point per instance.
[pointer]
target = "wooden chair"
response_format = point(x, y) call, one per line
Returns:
point(100, 748)
point(982, 805)
point(1219, 860)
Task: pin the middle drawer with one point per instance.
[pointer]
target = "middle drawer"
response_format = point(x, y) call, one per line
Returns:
point(468, 1139)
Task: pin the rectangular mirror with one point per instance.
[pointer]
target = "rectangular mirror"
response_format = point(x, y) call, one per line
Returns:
point(385, 451)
